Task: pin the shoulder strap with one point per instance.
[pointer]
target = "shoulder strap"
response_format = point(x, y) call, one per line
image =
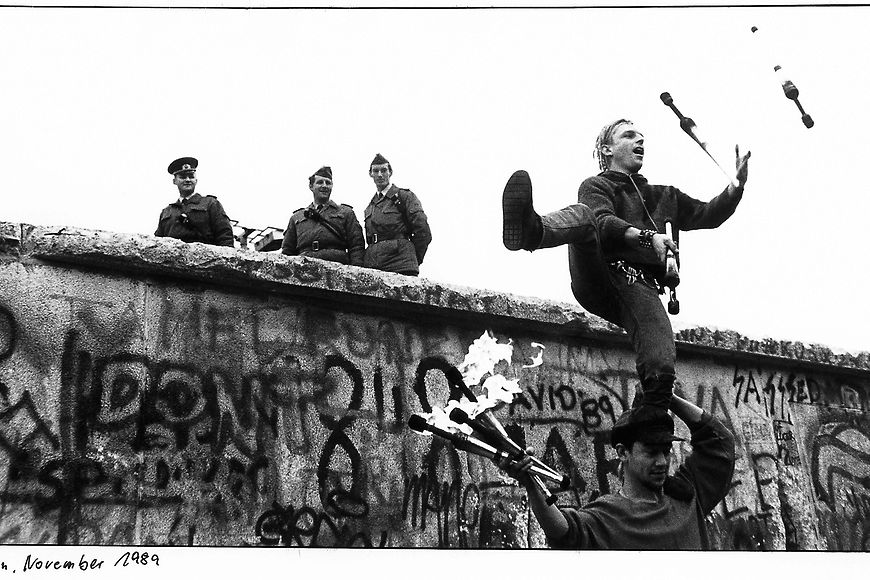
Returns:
point(315, 215)
point(208, 238)
point(402, 207)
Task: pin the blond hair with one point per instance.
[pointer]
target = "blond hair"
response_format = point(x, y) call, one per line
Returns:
point(605, 137)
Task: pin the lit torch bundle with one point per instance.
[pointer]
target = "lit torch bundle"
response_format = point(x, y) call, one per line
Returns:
point(471, 425)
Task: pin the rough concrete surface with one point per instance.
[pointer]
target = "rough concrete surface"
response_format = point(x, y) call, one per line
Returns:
point(155, 392)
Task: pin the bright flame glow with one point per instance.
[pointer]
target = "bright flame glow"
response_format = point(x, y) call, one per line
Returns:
point(501, 389)
point(483, 354)
point(466, 405)
point(439, 418)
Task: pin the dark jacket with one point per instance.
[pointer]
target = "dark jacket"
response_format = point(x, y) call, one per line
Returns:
point(332, 234)
point(614, 199)
point(676, 522)
point(397, 232)
point(197, 219)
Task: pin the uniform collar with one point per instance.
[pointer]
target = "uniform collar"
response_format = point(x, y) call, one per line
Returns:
point(329, 203)
point(192, 198)
point(386, 193)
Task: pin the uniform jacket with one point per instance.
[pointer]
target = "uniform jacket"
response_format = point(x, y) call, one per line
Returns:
point(197, 219)
point(308, 236)
point(676, 522)
point(402, 231)
point(614, 199)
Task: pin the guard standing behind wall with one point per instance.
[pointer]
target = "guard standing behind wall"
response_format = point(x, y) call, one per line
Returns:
point(397, 231)
point(324, 229)
point(193, 218)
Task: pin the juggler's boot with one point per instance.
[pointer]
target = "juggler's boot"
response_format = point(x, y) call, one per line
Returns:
point(522, 229)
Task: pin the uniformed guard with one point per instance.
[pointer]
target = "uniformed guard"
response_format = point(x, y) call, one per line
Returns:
point(193, 218)
point(397, 230)
point(324, 229)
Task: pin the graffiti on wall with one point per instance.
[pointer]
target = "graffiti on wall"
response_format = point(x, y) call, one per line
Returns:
point(198, 418)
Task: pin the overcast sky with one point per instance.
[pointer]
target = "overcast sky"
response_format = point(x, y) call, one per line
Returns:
point(97, 102)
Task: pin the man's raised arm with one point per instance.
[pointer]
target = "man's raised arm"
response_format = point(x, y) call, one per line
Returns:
point(552, 520)
point(686, 411)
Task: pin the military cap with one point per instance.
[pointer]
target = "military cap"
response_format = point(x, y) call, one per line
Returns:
point(325, 171)
point(647, 424)
point(183, 164)
point(379, 160)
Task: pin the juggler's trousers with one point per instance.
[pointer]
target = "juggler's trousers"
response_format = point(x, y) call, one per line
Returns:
point(606, 292)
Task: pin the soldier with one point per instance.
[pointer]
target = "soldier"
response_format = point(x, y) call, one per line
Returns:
point(397, 230)
point(193, 218)
point(324, 229)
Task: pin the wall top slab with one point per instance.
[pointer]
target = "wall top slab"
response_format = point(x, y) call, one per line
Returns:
point(361, 288)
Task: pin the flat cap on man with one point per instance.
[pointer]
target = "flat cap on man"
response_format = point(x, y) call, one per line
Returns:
point(183, 164)
point(378, 160)
point(325, 171)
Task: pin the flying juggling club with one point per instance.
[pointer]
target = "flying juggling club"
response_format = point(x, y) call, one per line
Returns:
point(672, 274)
point(789, 88)
point(688, 125)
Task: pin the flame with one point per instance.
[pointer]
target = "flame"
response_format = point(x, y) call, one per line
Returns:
point(538, 359)
point(439, 418)
point(501, 389)
point(483, 354)
point(466, 405)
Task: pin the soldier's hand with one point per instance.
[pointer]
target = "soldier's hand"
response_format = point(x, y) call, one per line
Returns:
point(661, 243)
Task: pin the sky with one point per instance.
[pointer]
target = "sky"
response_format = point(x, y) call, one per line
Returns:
point(96, 102)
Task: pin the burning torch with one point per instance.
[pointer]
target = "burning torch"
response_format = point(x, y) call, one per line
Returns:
point(491, 430)
point(471, 444)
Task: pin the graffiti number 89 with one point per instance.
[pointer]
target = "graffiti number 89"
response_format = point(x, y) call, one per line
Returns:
point(141, 558)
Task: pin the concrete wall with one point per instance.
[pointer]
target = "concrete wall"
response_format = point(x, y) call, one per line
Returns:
point(153, 392)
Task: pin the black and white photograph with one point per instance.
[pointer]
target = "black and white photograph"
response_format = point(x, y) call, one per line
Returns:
point(438, 280)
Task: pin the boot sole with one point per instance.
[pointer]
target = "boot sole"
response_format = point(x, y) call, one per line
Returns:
point(515, 202)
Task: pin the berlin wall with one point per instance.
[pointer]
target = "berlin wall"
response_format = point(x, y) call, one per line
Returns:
point(160, 393)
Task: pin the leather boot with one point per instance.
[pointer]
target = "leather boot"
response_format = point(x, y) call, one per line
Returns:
point(522, 229)
point(658, 390)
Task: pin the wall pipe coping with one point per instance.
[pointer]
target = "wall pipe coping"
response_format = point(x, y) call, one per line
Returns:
point(357, 288)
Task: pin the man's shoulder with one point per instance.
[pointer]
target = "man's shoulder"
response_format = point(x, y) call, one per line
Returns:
point(409, 199)
point(598, 181)
point(607, 502)
point(209, 199)
point(342, 208)
point(402, 191)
